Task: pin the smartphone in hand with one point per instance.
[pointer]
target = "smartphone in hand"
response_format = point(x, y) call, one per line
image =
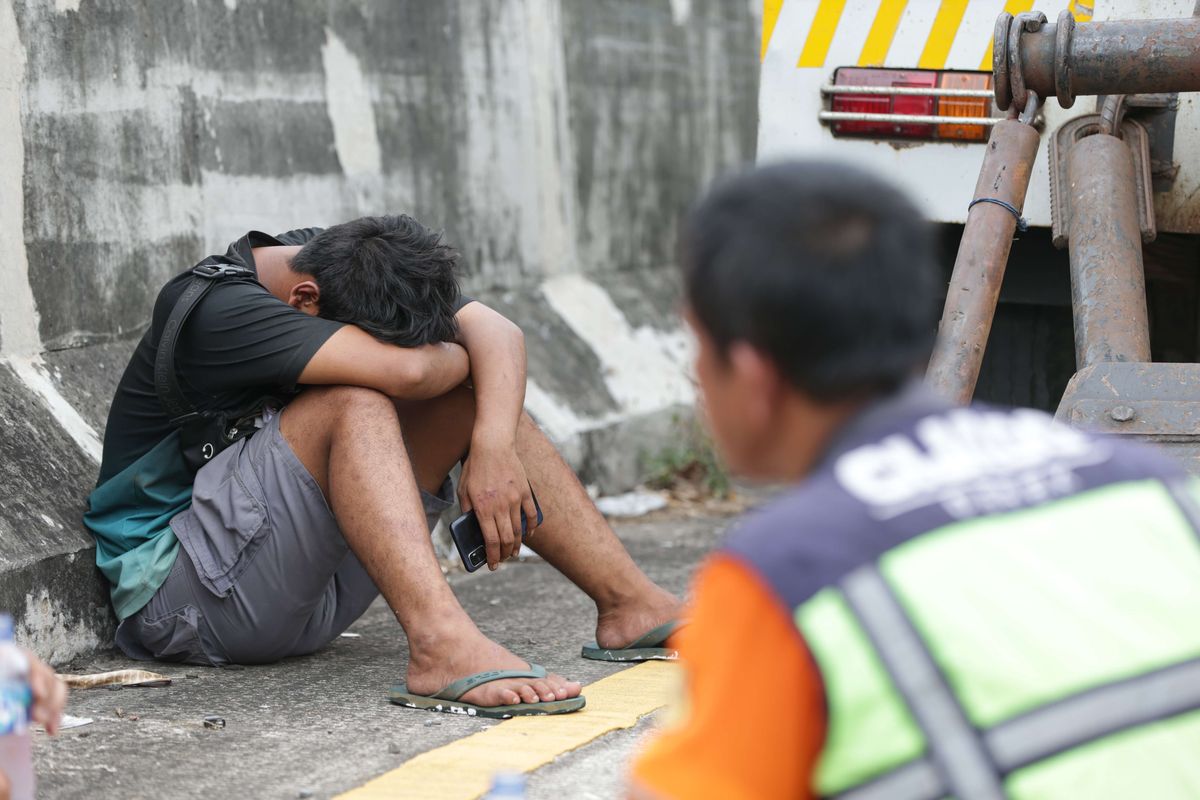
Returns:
point(468, 536)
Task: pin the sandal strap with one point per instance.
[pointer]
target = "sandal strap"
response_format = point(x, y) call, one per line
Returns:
point(461, 686)
point(655, 637)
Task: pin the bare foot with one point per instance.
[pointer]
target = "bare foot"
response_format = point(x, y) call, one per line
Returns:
point(438, 661)
point(624, 623)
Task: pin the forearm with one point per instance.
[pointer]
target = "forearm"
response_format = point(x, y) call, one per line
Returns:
point(496, 348)
point(494, 484)
point(352, 357)
point(441, 368)
point(498, 374)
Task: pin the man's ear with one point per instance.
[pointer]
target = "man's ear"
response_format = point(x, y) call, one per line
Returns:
point(760, 386)
point(305, 296)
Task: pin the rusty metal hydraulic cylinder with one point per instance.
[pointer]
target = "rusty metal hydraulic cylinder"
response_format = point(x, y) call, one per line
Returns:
point(1118, 57)
point(982, 256)
point(1108, 285)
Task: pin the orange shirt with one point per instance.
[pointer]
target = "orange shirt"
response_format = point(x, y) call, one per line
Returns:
point(751, 723)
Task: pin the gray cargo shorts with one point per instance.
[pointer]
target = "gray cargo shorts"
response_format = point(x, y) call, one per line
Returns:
point(263, 572)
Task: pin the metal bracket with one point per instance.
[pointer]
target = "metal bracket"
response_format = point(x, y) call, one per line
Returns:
point(1135, 137)
point(1155, 402)
point(1157, 114)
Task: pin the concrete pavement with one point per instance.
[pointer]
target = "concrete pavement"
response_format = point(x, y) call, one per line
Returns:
point(321, 725)
point(593, 772)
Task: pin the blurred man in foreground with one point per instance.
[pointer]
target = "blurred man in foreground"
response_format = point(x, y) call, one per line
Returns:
point(977, 603)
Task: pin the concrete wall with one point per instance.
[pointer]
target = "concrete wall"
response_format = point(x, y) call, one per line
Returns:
point(556, 141)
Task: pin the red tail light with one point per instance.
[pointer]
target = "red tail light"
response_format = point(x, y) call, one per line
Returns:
point(915, 104)
point(888, 104)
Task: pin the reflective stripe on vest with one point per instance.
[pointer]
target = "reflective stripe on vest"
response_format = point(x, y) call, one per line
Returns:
point(1048, 652)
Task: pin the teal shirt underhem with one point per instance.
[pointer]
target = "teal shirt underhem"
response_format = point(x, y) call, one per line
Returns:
point(129, 516)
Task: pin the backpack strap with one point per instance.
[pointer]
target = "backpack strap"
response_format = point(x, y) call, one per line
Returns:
point(166, 383)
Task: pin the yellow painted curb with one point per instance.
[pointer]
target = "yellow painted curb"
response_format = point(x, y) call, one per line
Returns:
point(463, 770)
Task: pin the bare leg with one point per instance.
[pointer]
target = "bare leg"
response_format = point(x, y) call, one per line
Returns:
point(577, 540)
point(349, 439)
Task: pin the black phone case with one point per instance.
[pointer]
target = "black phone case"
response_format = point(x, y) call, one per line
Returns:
point(468, 537)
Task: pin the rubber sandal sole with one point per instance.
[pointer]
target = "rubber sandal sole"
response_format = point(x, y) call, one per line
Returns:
point(399, 695)
point(647, 647)
point(630, 654)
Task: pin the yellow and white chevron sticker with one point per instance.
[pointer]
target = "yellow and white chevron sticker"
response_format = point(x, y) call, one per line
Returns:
point(928, 34)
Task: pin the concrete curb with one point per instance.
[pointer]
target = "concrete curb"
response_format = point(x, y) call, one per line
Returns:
point(48, 577)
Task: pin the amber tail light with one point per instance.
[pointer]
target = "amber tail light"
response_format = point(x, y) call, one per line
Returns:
point(964, 106)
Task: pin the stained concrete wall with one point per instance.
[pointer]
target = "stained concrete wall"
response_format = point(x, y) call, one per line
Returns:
point(556, 141)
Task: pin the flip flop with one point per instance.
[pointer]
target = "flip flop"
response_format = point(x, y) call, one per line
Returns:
point(447, 699)
point(650, 647)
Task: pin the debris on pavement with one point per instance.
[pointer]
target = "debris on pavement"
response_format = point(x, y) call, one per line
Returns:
point(348, 635)
point(69, 722)
point(214, 722)
point(631, 504)
point(116, 678)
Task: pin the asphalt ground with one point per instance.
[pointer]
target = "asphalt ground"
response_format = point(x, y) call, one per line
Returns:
point(320, 725)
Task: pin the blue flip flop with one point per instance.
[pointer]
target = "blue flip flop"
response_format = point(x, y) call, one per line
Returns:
point(651, 646)
point(447, 699)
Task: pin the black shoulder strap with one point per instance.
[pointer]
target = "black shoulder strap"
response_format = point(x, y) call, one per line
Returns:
point(166, 384)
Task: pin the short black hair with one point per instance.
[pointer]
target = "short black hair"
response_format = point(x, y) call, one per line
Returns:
point(389, 275)
point(826, 269)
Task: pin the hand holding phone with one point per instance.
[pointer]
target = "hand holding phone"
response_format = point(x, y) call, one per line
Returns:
point(468, 536)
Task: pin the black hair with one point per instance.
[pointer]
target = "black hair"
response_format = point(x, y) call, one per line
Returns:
point(824, 268)
point(389, 275)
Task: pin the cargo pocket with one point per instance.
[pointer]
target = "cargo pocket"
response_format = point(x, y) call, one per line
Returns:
point(225, 525)
point(174, 637)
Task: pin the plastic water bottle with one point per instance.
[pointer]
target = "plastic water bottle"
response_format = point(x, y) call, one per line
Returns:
point(16, 746)
point(505, 786)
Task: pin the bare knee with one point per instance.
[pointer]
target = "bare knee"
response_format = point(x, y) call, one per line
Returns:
point(528, 430)
point(323, 415)
point(529, 423)
point(320, 411)
point(358, 401)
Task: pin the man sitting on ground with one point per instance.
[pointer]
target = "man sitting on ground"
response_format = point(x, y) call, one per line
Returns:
point(385, 378)
point(949, 602)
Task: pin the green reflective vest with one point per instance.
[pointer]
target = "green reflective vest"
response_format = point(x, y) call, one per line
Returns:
point(1075, 663)
point(1050, 650)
